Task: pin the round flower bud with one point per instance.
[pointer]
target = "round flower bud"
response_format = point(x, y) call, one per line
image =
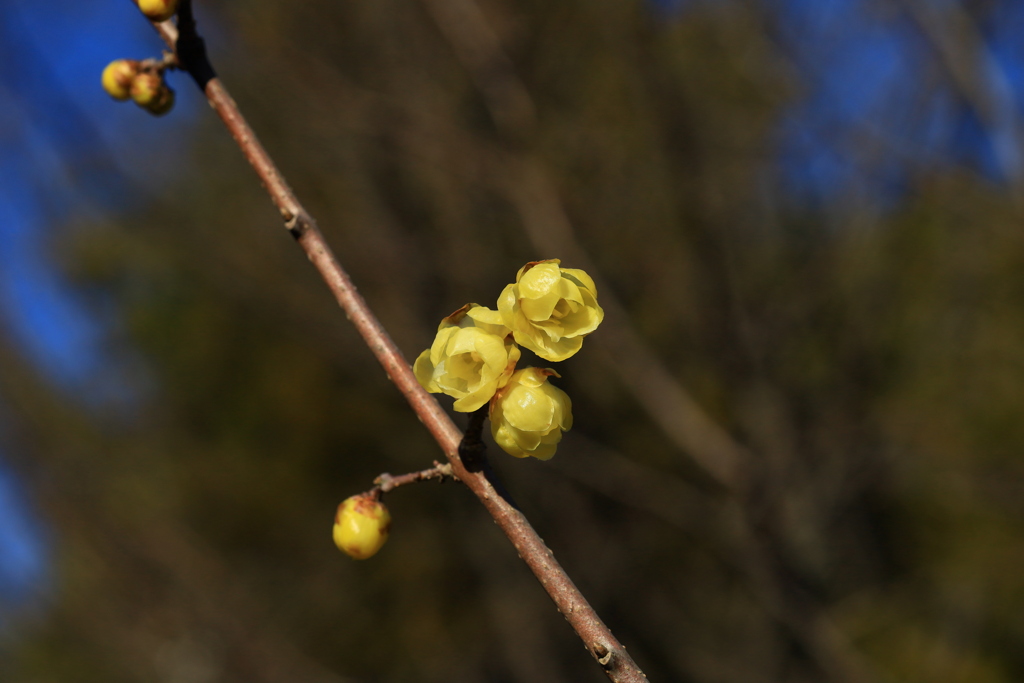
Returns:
point(529, 414)
point(147, 88)
point(163, 102)
point(158, 10)
point(117, 78)
point(471, 358)
point(550, 309)
point(361, 526)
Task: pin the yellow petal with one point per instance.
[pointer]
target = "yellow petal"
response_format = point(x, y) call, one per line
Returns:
point(513, 357)
point(583, 321)
point(531, 264)
point(492, 351)
point(438, 350)
point(529, 409)
point(568, 290)
point(544, 451)
point(424, 371)
point(535, 377)
point(463, 366)
point(539, 308)
point(527, 441)
point(507, 305)
point(539, 280)
point(555, 352)
point(580, 278)
point(563, 407)
point(502, 437)
point(487, 320)
point(463, 340)
point(476, 399)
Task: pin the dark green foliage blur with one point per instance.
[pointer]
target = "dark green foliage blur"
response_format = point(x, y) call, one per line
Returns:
point(870, 361)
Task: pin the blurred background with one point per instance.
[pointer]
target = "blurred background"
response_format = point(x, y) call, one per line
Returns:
point(798, 436)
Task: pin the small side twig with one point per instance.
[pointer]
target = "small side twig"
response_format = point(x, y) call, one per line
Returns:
point(386, 482)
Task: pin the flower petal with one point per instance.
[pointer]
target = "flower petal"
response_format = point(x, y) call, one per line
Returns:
point(539, 308)
point(539, 280)
point(424, 371)
point(529, 409)
point(581, 278)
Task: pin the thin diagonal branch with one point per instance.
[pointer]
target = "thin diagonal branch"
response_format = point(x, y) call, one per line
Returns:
point(597, 637)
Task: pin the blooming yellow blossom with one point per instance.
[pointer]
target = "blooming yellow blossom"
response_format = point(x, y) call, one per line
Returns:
point(361, 526)
point(550, 309)
point(529, 414)
point(471, 358)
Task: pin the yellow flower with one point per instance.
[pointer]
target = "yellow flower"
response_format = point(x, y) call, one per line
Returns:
point(472, 357)
point(361, 526)
point(550, 309)
point(529, 415)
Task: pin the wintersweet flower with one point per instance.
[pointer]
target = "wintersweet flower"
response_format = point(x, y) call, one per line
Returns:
point(550, 309)
point(529, 414)
point(361, 526)
point(472, 357)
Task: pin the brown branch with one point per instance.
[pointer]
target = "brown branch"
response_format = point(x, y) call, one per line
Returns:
point(597, 637)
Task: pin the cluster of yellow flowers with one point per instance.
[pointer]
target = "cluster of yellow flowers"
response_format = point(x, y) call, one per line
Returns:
point(548, 310)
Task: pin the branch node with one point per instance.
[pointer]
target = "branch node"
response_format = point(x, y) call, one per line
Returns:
point(603, 654)
point(191, 49)
point(298, 225)
point(472, 448)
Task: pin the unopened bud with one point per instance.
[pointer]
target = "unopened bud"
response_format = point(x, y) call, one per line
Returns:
point(158, 10)
point(117, 78)
point(361, 526)
point(163, 102)
point(146, 88)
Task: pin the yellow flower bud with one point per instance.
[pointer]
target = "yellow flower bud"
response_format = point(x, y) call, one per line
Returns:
point(117, 78)
point(471, 358)
point(361, 526)
point(158, 10)
point(550, 309)
point(529, 414)
point(163, 102)
point(147, 88)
